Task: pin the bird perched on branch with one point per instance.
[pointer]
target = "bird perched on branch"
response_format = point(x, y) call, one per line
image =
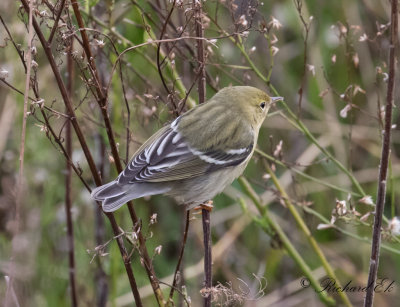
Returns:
point(196, 156)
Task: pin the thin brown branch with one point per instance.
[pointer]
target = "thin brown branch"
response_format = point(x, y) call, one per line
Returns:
point(15, 89)
point(64, 94)
point(55, 26)
point(201, 87)
point(299, 4)
point(174, 27)
point(206, 219)
point(52, 132)
point(150, 42)
point(383, 168)
point(102, 101)
point(20, 53)
point(200, 51)
point(101, 279)
point(86, 151)
point(86, 47)
point(159, 68)
point(128, 114)
point(68, 182)
point(102, 289)
point(64, 150)
point(178, 265)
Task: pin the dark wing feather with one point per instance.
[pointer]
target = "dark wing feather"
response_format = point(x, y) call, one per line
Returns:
point(167, 156)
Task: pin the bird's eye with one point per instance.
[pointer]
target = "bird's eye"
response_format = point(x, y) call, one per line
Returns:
point(262, 105)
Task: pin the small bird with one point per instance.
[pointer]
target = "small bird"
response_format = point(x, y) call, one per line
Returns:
point(196, 156)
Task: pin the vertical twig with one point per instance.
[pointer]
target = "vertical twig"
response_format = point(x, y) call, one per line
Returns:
point(178, 265)
point(207, 256)
point(100, 278)
point(55, 26)
point(201, 87)
point(159, 68)
point(101, 282)
point(16, 47)
point(102, 288)
point(85, 149)
point(102, 101)
point(24, 117)
point(299, 5)
point(68, 181)
point(383, 168)
point(19, 190)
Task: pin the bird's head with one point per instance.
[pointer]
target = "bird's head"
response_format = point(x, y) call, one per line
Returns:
point(248, 101)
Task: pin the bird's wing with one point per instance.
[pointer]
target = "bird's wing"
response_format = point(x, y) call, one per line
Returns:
point(168, 156)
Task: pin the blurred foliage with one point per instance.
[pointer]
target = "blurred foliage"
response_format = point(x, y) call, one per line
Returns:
point(343, 87)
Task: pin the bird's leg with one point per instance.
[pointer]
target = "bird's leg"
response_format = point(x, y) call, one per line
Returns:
point(208, 205)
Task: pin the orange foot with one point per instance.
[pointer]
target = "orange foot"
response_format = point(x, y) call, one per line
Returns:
point(206, 206)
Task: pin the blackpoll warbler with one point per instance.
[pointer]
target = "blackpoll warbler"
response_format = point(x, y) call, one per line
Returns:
point(196, 156)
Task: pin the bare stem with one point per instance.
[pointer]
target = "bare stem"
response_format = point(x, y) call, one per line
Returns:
point(68, 181)
point(164, 29)
point(85, 149)
point(201, 87)
point(178, 265)
point(24, 117)
point(55, 26)
point(18, 198)
point(101, 280)
point(102, 101)
point(383, 168)
point(299, 4)
point(207, 255)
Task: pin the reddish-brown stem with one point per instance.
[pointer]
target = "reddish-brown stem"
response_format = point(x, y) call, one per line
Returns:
point(306, 26)
point(159, 68)
point(55, 26)
point(102, 101)
point(85, 148)
point(20, 54)
point(64, 94)
point(68, 181)
point(201, 87)
point(383, 168)
point(206, 219)
point(178, 265)
point(100, 236)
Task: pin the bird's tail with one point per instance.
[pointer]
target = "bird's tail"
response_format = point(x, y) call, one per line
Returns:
point(114, 195)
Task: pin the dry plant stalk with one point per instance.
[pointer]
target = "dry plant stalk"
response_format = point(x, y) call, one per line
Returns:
point(73, 119)
point(383, 167)
point(102, 101)
point(201, 87)
point(19, 191)
point(68, 183)
point(177, 272)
